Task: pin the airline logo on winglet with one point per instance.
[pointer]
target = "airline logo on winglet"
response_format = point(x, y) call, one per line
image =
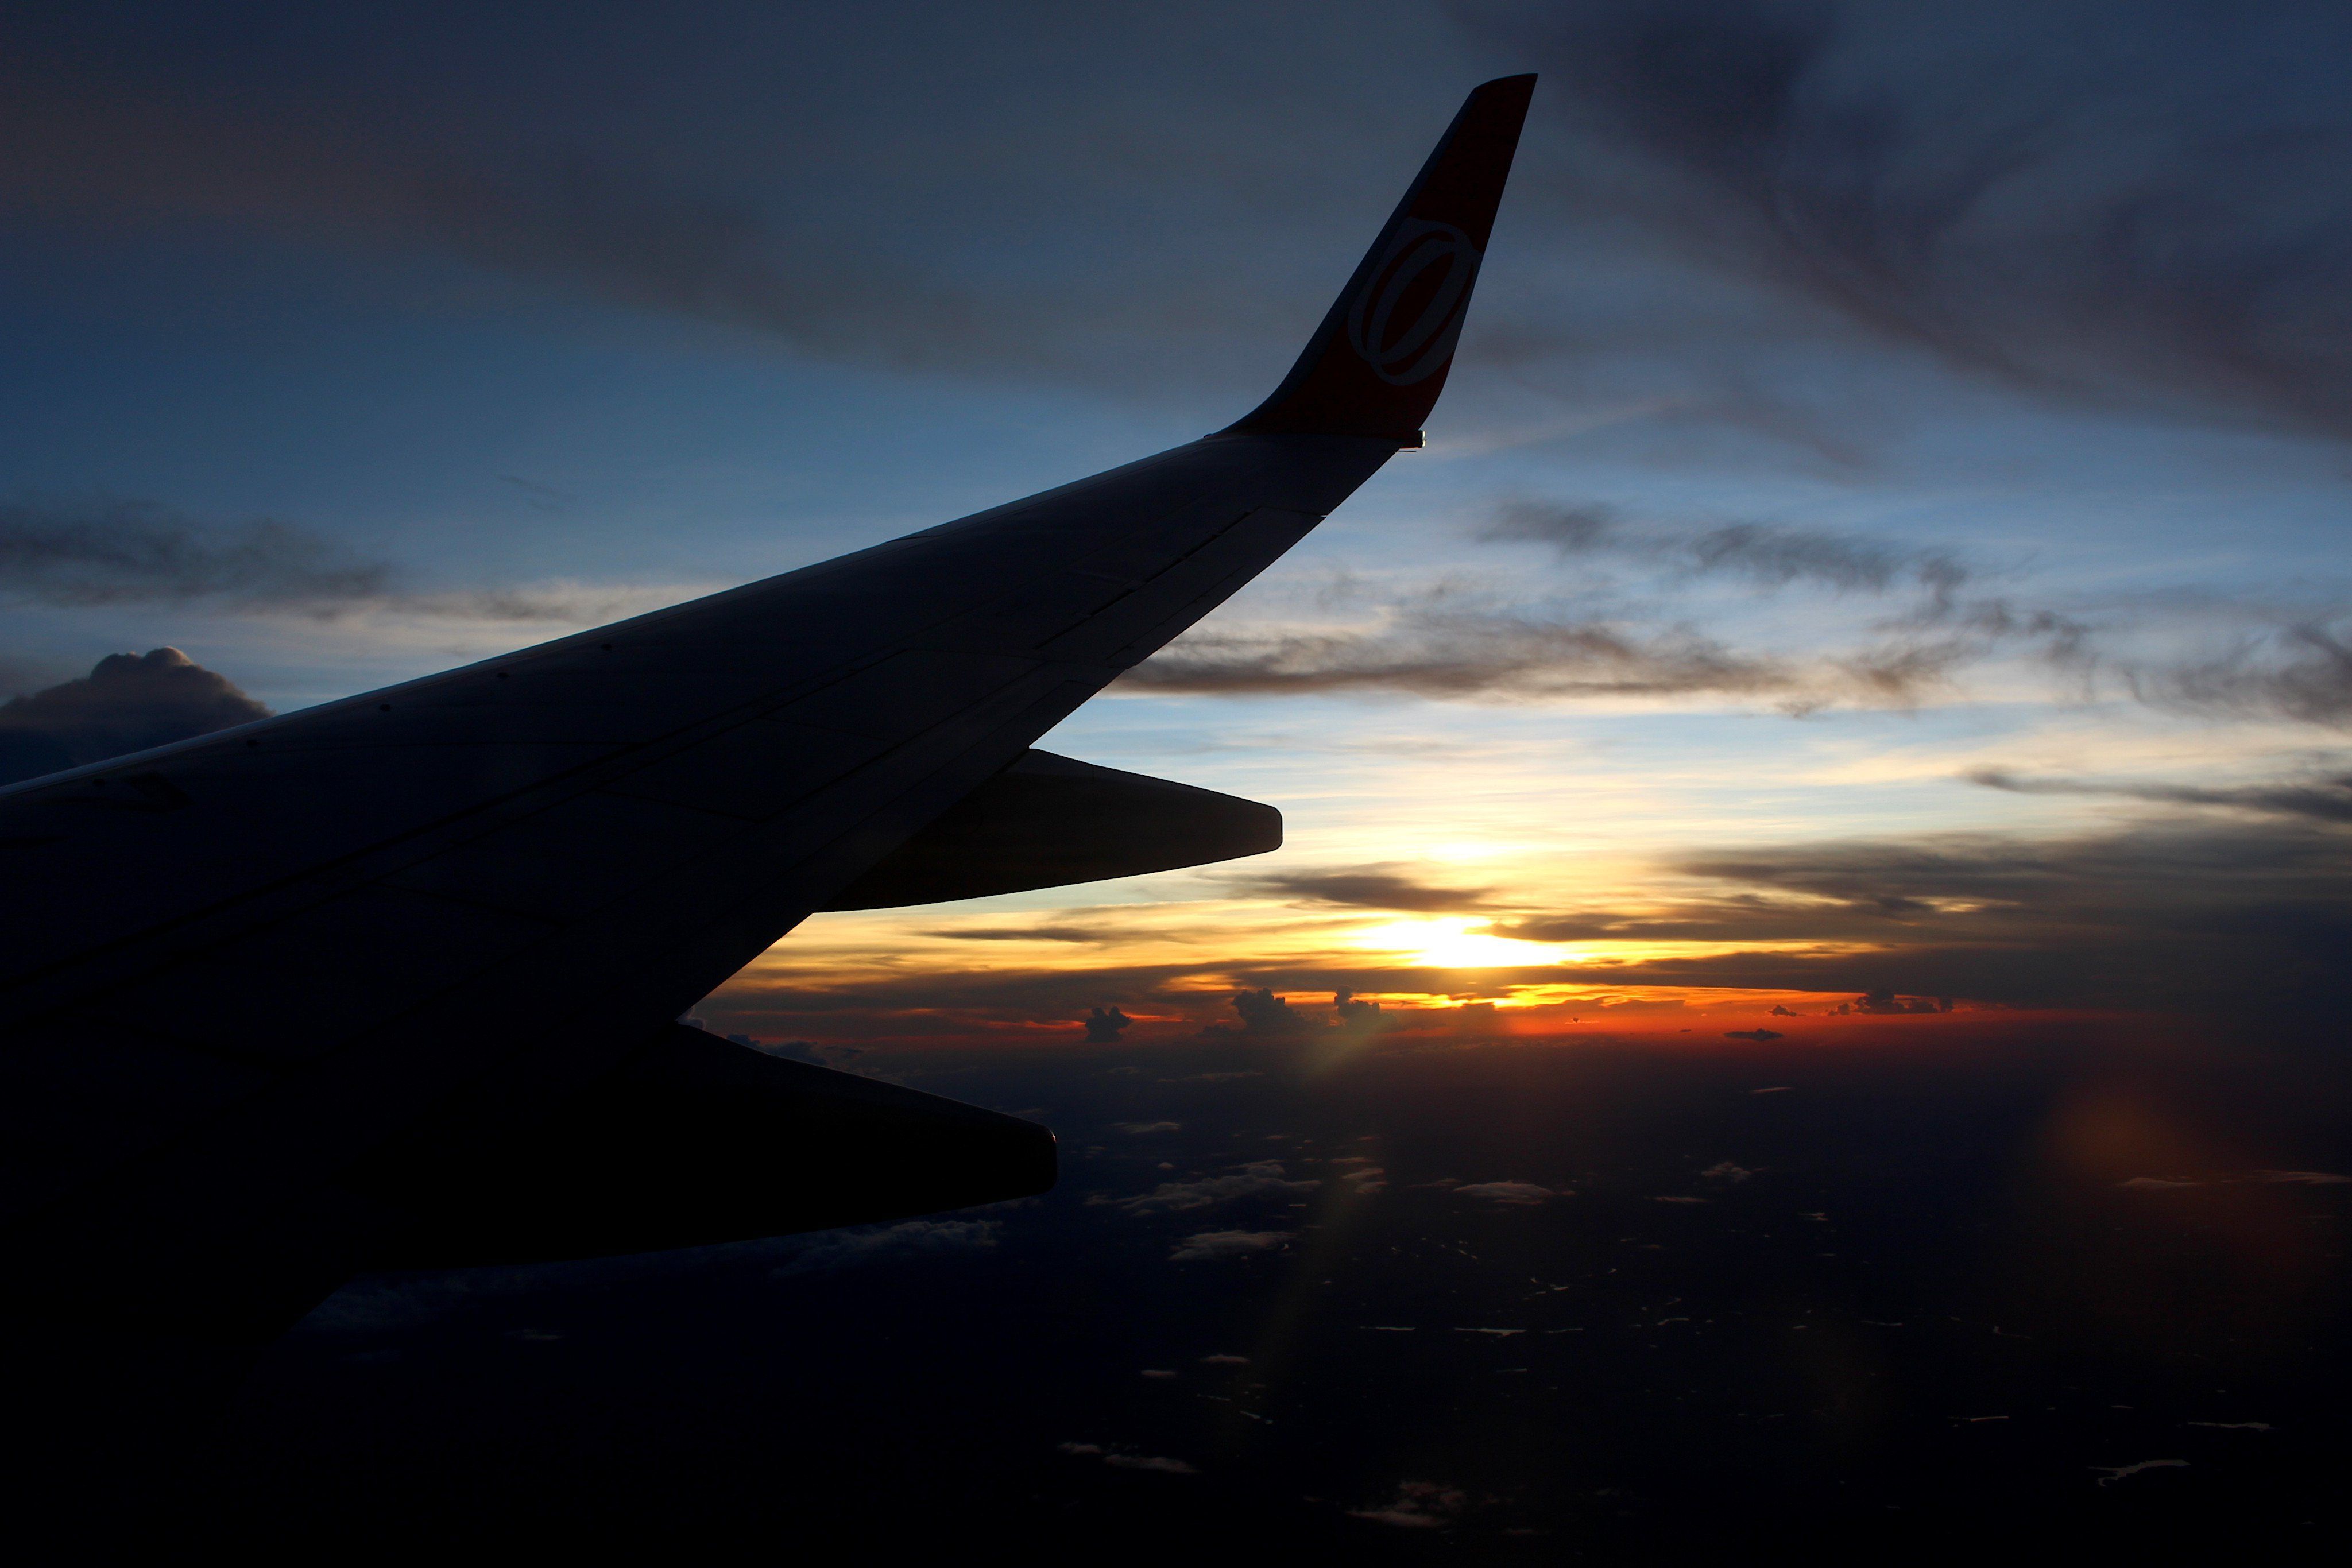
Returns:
point(1377, 362)
point(1405, 319)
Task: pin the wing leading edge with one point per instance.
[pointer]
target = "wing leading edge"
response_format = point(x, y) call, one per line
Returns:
point(437, 917)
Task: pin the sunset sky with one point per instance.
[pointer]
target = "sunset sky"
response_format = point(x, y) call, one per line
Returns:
point(1882, 547)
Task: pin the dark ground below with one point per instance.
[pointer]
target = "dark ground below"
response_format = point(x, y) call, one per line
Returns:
point(1903, 1301)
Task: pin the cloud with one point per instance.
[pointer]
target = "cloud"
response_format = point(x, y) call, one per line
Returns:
point(1418, 1505)
point(129, 703)
point(867, 190)
point(1104, 1025)
point(1900, 656)
point(2293, 663)
point(1888, 1002)
point(1767, 554)
point(106, 551)
point(1264, 1013)
point(1142, 1129)
point(1493, 654)
point(913, 1003)
point(1157, 1462)
point(1759, 1035)
point(1450, 643)
point(1456, 642)
point(1515, 1193)
point(1361, 887)
point(2293, 1178)
point(2029, 192)
point(2239, 916)
point(2243, 920)
point(1027, 934)
point(1214, 1246)
point(891, 1244)
point(1259, 1178)
point(2108, 1474)
point(1121, 1460)
point(101, 551)
point(2302, 671)
point(581, 219)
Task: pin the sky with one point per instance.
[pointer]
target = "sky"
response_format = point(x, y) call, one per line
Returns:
point(1877, 568)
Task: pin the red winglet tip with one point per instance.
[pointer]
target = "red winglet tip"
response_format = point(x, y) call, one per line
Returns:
point(1376, 364)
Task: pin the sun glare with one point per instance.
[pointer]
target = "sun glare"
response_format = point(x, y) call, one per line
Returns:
point(1448, 943)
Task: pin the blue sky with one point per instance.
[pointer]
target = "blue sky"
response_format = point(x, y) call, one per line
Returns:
point(1859, 398)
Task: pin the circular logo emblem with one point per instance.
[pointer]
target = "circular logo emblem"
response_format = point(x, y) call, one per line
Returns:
point(1405, 320)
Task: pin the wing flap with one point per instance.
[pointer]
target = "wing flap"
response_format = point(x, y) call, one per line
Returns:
point(697, 1141)
point(1049, 821)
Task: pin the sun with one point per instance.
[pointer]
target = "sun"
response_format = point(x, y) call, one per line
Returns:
point(1448, 942)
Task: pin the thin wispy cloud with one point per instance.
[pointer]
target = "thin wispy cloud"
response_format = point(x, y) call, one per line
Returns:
point(1456, 651)
point(103, 552)
point(774, 205)
point(1361, 887)
point(1076, 934)
point(1769, 555)
point(2024, 191)
point(2325, 800)
point(1494, 654)
point(2219, 920)
point(1924, 628)
point(2301, 672)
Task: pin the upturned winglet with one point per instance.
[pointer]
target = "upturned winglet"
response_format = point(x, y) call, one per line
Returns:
point(1376, 364)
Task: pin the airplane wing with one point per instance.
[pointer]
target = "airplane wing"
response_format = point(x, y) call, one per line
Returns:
point(366, 983)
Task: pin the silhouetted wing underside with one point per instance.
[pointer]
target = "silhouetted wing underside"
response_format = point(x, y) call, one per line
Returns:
point(267, 990)
point(338, 912)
